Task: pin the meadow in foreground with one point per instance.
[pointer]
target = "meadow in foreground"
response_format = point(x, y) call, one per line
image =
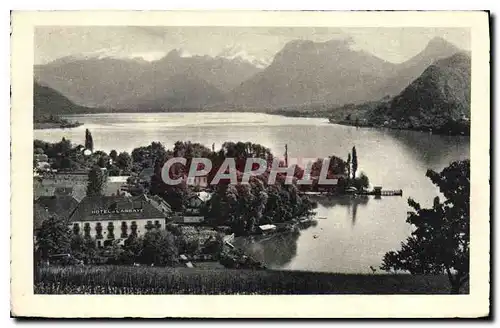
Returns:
point(163, 280)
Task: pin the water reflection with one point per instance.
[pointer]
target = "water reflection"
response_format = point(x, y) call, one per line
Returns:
point(434, 151)
point(274, 251)
point(278, 251)
point(350, 202)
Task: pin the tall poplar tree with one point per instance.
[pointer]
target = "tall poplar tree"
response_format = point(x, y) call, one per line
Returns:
point(89, 142)
point(354, 162)
point(349, 166)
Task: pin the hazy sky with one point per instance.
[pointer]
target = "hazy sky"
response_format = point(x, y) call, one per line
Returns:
point(392, 44)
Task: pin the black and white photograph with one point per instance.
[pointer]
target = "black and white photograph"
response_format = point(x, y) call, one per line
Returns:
point(254, 160)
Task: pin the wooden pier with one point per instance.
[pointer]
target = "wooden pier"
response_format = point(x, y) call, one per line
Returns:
point(377, 191)
point(391, 192)
point(383, 193)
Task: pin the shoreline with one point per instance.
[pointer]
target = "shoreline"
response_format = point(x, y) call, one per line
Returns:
point(436, 131)
point(54, 125)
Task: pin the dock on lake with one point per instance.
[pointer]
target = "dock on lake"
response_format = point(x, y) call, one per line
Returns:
point(377, 191)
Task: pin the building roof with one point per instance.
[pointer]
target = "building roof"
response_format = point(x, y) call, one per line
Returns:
point(119, 208)
point(118, 179)
point(159, 203)
point(267, 227)
point(73, 172)
point(62, 206)
point(63, 191)
point(204, 196)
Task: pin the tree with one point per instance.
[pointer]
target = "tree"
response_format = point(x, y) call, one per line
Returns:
point(133, 246)
point(113, 154)
point(77, 245)
point(103, 161)
point(64, 146)
point(354, 162)
point(159, 248)
point(143, 157)
point(361, 182)
point(38, 151)
point(88, 250)
point(113, 170)
point(89, 142)
point(440, 242)
point(53, 237)
point(349, 166)
point(95, 185)
point(124, 162)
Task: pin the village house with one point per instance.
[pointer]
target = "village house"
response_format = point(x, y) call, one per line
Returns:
point(115, 185)
point(115, 218)
point(198, 181)
point(47, 184)
point(75, 184)
point(267, 228)
point(193, 211)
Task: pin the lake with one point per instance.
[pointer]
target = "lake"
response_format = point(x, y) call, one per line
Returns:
point(356, 233)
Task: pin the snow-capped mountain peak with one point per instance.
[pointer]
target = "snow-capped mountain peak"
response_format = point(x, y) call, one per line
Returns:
point(237, 52)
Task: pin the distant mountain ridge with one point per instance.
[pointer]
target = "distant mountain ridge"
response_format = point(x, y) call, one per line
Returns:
point(48, 105)
point(333, 73)
point(307, 72)
point(178, 92)
point(436, 49)
point(128, 83)
point(303, 73)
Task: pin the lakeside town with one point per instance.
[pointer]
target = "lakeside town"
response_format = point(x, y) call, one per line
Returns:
point(110, 202)
point(97, 214)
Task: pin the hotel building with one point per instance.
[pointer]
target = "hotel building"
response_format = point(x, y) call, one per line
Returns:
point(110, 218)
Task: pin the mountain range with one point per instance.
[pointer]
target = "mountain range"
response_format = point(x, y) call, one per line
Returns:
point(303, 73)
point(130, 83)
point(441, 92)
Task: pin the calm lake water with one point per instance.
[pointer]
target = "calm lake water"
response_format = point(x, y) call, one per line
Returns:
point(355, 233)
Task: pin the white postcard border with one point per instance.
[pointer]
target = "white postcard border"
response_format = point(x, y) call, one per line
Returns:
point(25, 303)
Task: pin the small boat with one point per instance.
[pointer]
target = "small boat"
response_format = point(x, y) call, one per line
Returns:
point(351, 190)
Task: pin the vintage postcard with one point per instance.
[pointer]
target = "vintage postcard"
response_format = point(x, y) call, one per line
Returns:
point(250, 164)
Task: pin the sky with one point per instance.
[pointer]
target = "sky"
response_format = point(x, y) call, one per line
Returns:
point(151, 43)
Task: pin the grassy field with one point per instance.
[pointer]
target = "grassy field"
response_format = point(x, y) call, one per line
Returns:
point(156, 280)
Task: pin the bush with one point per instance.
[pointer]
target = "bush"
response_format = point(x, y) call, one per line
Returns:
point(361, 182)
